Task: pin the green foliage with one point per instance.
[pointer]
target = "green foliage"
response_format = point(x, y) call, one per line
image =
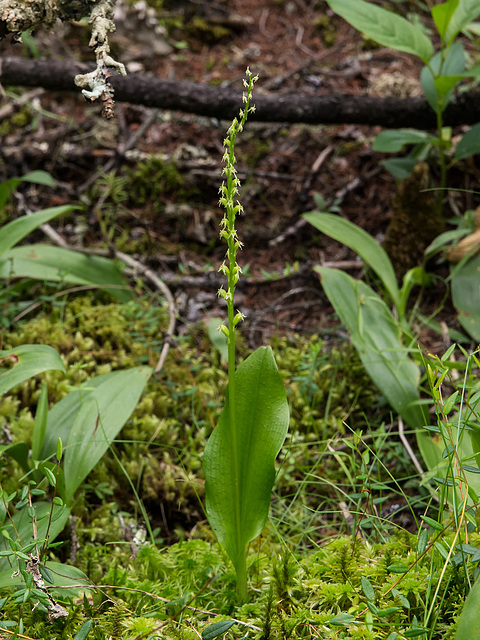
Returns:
point(83, 631)
point(442, 73)
point(377, 337)
point(304, 592)
point(459, 246)
point(153, 181)
point(456, 432)
point(338, 474)
point(376, 334)
point(36, 177)
point(239, 458)
point(366, 247)
point(239, 467)
point(106, 403)
point(88, 420)
point(369, 590)
point(465, 284)
point(43, 262)
point(469, 622)
point(384, 27)
point(29, 525)
point(26, 361)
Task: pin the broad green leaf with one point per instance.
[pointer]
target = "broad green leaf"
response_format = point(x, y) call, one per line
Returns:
point(444, 84)
point(453, 66)
point(384, 613)
point(416, 276)
point(39, 177)
point(400, 168)
point(469, 621)
point(36, 177)
point(18, 451)
point(466, 295)
point(84, 630)
point(442, 15)
point(16, 230)
point(88, 420)
point(59, 453)
point(240, 466)
point(363, 244)
point(465, 13)
point(394, 140)
point(26, 361)
point(367, 588)
point(40, 423)
point(43, 262)
point(341, 619)
point(217, 629)
point(384, 27)
point(469, 145)
point(416, 632)
point(23, 525)
point(438, 465)
point(376, 337)
point(444, 239)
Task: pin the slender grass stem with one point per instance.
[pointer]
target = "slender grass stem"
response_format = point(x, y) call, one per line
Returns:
point(443, 163)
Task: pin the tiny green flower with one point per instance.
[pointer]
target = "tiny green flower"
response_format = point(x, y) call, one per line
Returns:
point(232, 208)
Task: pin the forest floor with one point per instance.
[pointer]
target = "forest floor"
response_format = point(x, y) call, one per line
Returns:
point(169, 216)
point(158, 202)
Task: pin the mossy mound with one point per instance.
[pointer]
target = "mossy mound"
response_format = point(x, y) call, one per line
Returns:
point(344, 588)
point(154, 470)
point(159, 450)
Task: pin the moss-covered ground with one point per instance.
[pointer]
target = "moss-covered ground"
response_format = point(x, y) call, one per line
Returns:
point(344, 553)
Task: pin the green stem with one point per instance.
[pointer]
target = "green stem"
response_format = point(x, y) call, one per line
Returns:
point(229, 191)
point(233, 426)
point(241, 571)
point(443, 164)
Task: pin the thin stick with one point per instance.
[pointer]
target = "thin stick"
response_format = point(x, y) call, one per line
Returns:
point(409, 449)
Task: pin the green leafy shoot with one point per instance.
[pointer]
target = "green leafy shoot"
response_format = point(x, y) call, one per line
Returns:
point(384, 27)
point(239, 459)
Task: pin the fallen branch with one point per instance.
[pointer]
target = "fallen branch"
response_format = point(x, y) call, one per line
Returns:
point(223, 104)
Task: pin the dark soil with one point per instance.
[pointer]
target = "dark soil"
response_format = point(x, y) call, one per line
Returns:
point(297, 45)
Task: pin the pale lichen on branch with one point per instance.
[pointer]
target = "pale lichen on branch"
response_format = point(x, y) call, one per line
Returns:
point(96, 84)
point(17, 17)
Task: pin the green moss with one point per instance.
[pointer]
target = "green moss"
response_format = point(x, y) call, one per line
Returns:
point(154, 182)
point(152, 187)
point(18, 120)
point(309, 581)
point(200, 29)
point(295, 596)
point(327, 29)
point(327, 389)
point(160, 447)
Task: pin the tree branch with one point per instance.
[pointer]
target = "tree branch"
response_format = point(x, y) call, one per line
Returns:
point(223, 103)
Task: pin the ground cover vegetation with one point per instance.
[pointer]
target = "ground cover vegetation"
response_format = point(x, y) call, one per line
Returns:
point(145, 489)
